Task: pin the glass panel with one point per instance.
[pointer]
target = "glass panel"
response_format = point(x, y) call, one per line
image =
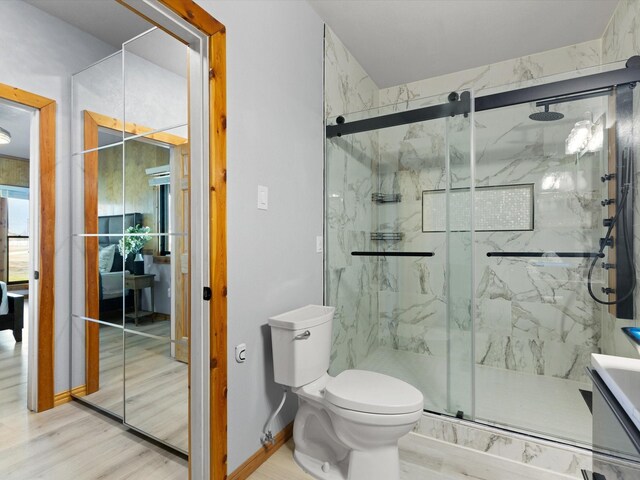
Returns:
point(536, 325)
point(461, 215)
point(103, 297)
point(156, 87)
point(156, 387)
point(157, 196)
point(100, 211)
point(18, 216)
point(391, 311)
point(146, 162)
point(18, 255)
point(97, 89)
point(150, 287)
point(107, 393)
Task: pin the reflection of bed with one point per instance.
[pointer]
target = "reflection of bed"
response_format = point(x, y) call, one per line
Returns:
point(110, 228)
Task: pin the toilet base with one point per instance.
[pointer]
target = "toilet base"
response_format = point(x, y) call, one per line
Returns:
point(313, 467)
point(381, 464)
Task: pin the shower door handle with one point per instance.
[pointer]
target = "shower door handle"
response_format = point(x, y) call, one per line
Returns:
point(303, 336)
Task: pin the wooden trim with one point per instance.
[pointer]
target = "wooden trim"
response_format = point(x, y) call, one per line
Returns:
point(195, 15)
point(133, 129)
point(46, 284)
point(91, 246)
point(218, 252)
point(254, 461)
point(23, 97)
point(79, 391)
point(126, 5)
point(66, 396)
point(61, 398)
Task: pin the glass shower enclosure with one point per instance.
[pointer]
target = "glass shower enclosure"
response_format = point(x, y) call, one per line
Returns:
point(466, 236)
point(394, 285)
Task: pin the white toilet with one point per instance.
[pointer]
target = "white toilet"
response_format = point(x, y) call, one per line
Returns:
point(347, 427)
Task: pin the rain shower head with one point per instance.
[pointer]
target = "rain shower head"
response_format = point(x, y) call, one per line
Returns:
point(546, 116)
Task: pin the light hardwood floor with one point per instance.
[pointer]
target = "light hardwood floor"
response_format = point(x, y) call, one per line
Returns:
point(154, 396)
point(280, 466)
point(70, 441)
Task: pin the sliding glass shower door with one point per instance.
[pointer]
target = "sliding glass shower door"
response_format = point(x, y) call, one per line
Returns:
point(398, 249)
point(536, 323)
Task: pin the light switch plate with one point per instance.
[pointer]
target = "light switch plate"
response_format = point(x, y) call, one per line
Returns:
point(263, 197)
point(319, 244)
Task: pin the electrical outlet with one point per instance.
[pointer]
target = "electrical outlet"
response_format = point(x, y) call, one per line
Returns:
point(241, 353)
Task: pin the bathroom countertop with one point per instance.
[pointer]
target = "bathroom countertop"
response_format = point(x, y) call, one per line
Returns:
point(622, 377)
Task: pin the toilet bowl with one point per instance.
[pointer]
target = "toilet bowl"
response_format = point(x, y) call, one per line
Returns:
point(348, 426)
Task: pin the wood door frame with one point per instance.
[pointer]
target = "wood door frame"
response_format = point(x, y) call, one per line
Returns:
point(198, 17)
point(47, 208)
point(92, 121)
point(216, 31)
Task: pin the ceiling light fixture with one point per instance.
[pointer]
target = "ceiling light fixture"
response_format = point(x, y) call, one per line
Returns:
point(5, 137)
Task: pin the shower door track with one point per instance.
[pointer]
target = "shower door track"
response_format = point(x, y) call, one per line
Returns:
point(461, 104)
point(514, 431)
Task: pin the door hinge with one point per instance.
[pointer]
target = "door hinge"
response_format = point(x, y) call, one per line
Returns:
point(36, 275)
point(206, 294)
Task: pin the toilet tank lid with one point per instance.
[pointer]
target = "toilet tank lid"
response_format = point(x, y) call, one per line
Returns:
point(301, 318)
point(371, 392)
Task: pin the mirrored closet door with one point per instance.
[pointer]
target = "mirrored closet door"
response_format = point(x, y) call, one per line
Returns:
point(131, 222)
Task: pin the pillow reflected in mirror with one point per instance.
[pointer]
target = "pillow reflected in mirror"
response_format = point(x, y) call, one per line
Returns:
point(106, 256)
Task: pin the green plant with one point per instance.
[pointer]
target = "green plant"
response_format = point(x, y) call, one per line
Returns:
point(133, 244)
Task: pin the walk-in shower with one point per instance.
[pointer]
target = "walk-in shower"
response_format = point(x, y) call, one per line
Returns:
point(467, 234)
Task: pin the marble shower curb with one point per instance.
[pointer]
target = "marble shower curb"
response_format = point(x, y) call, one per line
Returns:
point(436, 433)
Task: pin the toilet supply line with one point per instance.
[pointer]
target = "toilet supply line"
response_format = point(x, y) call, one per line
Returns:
point(268, 437)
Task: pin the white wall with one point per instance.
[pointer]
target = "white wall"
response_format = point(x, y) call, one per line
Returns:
point(275, 138)
point(39, 53)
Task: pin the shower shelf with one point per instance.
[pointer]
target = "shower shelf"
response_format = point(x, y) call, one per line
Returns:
point(546, 254)
point(392, 254)
point(386, 236)
point(386, 197)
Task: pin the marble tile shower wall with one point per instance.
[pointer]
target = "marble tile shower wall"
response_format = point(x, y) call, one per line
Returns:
point(350, 172)
point(413, 291)
point(530, 318)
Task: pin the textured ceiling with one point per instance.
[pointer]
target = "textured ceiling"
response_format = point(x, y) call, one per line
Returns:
point(401, 41)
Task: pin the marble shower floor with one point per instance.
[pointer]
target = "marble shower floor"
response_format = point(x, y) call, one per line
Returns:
point(546, 406)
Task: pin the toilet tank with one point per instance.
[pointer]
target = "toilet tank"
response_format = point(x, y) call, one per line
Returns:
point(301, 343)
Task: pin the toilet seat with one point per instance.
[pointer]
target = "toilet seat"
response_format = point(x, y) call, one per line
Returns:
point(373, 393)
